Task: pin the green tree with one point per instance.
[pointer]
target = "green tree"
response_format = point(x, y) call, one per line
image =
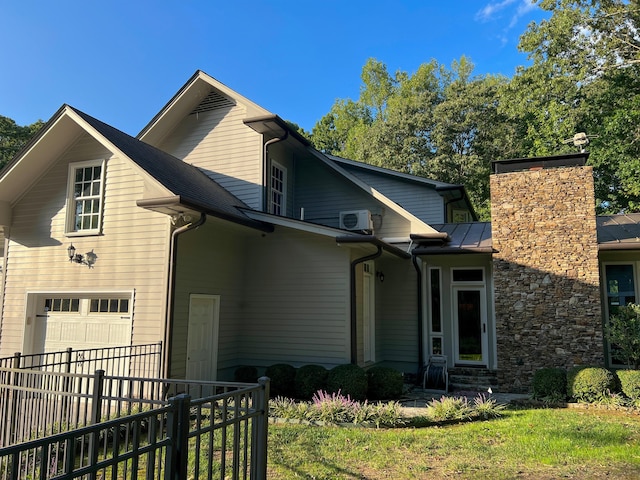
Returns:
point(584, 78)
point(436, 122)
point(13, 137)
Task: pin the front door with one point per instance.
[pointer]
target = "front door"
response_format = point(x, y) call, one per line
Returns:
point(202, 338)
point(470, 325)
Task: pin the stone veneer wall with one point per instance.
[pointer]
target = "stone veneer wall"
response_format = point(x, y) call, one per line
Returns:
point(546, 281)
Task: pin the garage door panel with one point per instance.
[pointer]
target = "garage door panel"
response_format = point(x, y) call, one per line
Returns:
point(66, 328)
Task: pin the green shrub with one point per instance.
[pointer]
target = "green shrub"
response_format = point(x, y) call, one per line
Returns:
point(590, 384)
point(384, 383)
point(348, 379)
point(245, 374)
point(448, 408)
point(630, 383)
point(282, 378)
point(309, 379)
point(550, 383)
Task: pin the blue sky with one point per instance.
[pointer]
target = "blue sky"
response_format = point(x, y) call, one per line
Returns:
point(121, 61)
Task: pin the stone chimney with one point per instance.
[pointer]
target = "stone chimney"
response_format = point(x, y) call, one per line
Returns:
point(546, 277)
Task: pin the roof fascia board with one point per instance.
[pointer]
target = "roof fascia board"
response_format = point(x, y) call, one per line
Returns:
point(187, 93)
point(386, 201)
point(39, 141)
point(373, 240)
point(293, 223)
point(149, 180)
point(386, 171)
point(178, 201)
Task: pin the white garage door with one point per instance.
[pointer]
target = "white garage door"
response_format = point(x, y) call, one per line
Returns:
point(83, 322)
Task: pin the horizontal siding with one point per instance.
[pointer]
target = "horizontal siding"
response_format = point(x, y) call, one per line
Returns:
point(226, 149)
point(267, 313)
point(324, 193)
point(297, 308)
point(132, 250)
point(423, 202)
point(397, 322)
point(210, 261)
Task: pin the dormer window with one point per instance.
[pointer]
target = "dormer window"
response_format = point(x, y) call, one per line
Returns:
point(84, 197)
point(278, 189)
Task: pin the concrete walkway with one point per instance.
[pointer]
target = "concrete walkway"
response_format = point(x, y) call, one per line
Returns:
point(415, 401)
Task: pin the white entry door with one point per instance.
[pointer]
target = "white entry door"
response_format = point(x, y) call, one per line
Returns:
point(202, 338)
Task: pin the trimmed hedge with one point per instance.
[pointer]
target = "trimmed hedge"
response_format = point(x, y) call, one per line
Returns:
point(349, 379)
point(282, 378)
point(245, 374)
point(590, 384)
point(550, 383)
point(630, 383)
point(309, 379)
point(384, 383)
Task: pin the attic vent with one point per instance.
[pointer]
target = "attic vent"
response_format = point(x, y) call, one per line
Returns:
point(213, 101)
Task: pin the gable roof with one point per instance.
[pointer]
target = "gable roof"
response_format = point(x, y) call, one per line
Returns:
point(449, 191)
point(186, 187)
point(191, 187)
point(194, 91)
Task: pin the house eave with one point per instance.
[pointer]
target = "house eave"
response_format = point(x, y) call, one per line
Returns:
point(373, 240)
point(177, 205)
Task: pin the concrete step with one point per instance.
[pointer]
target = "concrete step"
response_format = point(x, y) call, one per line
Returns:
point(480, 379)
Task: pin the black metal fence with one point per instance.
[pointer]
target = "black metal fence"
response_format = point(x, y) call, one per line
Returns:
point(128, 360)
point(223, 435)
point(36, 403)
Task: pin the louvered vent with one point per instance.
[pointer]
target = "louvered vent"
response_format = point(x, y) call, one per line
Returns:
point(213, 101)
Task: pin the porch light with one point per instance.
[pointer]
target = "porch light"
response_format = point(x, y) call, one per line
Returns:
point(87, 259)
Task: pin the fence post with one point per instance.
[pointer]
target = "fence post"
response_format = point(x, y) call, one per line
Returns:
point(14, 398)
point(260, 431)
point(177, 453)
point(68, 362)
point(96, 396)
point(159, 360)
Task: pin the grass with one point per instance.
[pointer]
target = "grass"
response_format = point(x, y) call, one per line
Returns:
point(523, 444)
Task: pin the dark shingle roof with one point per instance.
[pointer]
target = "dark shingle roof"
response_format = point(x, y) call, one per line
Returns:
point(192, 185)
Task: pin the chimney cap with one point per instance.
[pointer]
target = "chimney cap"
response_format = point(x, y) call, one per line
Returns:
point(538, 163)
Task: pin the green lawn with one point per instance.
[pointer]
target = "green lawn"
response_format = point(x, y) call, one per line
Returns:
point(523, 444)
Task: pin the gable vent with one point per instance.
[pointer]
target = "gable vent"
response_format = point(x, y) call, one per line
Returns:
point(213, 101)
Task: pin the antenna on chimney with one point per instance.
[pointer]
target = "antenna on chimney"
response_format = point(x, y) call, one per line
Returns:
point(580, 140)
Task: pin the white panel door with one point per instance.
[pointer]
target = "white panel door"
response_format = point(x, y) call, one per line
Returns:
point(202, 337)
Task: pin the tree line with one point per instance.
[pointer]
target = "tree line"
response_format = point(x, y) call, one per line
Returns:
point(448, 124)
point(445, 123)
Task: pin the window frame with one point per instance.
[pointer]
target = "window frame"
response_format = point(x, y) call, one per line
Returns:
point(635, 264)
point(275, 208)
point(71, 217)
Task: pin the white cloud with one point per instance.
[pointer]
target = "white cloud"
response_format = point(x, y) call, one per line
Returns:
point(491, 9)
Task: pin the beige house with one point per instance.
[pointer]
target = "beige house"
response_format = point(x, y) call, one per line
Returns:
point(221, 232)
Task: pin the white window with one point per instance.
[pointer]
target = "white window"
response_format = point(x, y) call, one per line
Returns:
point(278, 189)
point(84, 197)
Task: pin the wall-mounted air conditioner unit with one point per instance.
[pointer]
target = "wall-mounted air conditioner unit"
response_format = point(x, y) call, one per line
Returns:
point(356, 220)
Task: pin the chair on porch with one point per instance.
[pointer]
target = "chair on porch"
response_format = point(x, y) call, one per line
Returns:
point(436, 374)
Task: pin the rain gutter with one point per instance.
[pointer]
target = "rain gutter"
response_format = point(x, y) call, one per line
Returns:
point(173, 255)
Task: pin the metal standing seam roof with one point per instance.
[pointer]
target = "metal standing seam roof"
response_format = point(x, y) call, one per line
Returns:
point(619, 232)
point(615, 232)
point(472, 237)
point(190, 184)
